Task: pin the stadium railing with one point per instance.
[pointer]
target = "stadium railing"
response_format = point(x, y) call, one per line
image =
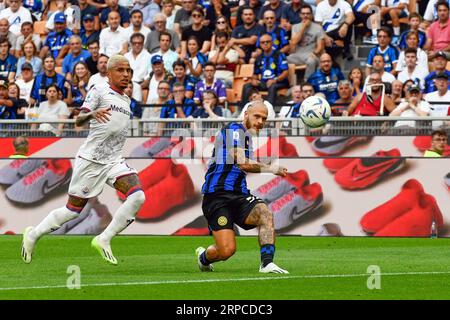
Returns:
point(337, 126)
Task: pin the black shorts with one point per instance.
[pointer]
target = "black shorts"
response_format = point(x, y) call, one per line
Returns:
point(223, 209)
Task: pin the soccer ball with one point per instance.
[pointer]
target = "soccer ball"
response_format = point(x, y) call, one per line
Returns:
point(315, 111)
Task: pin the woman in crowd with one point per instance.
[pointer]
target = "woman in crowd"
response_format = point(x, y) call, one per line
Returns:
point(412, 41)
point(20, 104)
point(222, 25)
point(195, 60)
point(356, 77)
point(30, 55)
point(80, 80)
point(216, 10)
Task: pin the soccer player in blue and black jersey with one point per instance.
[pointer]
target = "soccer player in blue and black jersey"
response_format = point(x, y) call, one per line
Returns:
point(227, 200)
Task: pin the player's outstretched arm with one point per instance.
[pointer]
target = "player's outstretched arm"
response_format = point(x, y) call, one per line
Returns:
point(249, 165)
point(101, 115)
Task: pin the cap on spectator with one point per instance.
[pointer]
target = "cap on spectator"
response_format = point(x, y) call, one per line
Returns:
point(441, 54)
point(414, 88)
point(60, 17)
point(27, 65)
point(157, 59)
point(88, 17)
point(441, 75)
point(4, 84)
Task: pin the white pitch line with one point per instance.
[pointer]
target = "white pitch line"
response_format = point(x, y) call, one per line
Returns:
point(145, 283)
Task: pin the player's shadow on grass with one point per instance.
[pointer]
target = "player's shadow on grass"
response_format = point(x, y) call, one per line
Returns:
point(307, 218)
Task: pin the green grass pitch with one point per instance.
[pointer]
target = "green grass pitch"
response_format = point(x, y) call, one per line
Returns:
point(164, 267)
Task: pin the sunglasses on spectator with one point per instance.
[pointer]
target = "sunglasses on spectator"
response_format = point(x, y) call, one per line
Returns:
point(221, 22)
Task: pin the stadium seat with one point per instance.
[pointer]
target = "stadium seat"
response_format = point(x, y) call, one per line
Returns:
point(246, 71)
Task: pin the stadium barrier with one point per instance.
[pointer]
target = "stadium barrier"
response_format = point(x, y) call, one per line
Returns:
point(337, 126)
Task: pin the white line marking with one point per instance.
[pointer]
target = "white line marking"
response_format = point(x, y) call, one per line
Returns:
point(145, 283)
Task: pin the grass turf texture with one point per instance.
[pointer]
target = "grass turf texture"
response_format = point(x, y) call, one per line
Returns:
point(155, 260)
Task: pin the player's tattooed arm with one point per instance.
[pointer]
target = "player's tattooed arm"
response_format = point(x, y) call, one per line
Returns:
point(262, 217)
point(249, 165)
point(125, 183)
point(101, 115)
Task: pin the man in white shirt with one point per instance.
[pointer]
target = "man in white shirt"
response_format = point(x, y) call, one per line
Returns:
point(169, 56)
point(102, 75)
point(26, 81)
point(440, 98)
point(412, 71)
point(136, 25)
point(378, 66)
point(16, 15)
point(113, 40)
point(414, 106)
point(140, 63)
point(336, 18)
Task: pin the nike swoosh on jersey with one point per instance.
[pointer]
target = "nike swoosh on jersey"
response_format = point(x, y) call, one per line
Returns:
point(325, 144)
point(365, 172)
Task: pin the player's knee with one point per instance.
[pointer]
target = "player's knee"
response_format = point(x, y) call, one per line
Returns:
point(226, 252)
point(137, 198)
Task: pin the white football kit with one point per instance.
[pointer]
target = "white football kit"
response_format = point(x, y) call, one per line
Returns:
point(99, 159)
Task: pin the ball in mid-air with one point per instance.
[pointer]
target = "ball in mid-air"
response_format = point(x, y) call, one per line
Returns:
point(315, 111)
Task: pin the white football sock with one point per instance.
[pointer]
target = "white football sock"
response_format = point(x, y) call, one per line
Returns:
point(53, 222)
point(123, 217)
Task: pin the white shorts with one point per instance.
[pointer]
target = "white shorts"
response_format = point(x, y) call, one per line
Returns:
point(89, 178)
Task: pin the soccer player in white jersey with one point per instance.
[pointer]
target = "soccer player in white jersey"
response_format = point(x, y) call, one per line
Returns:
point(99, 162)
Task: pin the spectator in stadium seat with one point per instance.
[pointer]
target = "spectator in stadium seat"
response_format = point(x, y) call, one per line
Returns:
point(270, 73)
point(336, 18)
point(386, 50)
point(412, 40)
point(183, 17)
point(356, 78)
point(137, 25)
point(256, 5)
point(222, 26)
point(274, 5)
point(369, 103)
point(345, 90)
point(198, 30)
point(51, 110)
point(25, 82)
point(397, 92)
point(440, 98)
point(8, 109)
point(439, 64)
point(102, 75)
point(79, 80)
point(135, 106)
point(210, 107)
point(291, 15)
point(169, 56)
point(76, 54)
point(16, 15)
point(438, 35)
point(307, 42)
point(149, 9)
point(179, 106)
point(394, 10)
point(326, 79)
point(94, 50)
point(255, 95)
point(378, 65)
point(139, 58)
point(151, 81)
point(152, 43)
point(90, 11)
point(88, 33)
point(21, 148)
point(26, 35)
point(156, 104)
point(5, 33)
point(412, 70)
point(65, 8)
point(210, 82)
point(218, 8)
point(113, 6)
point(113, 40)
point(405, 88)
point(293, 106)
point(167, 10)
point(413, 106)
point(280, 39)
point(20, 103)
point(36, 8)
point(57, 41)
point(48, 77)
point(188, 81)
point(246, 35)
point(8, 63)
point(414, 23)
point(30, 56)
point(194, 59)
point(225, 58)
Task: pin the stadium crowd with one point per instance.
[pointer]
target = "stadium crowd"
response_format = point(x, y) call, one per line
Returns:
point(193, 59)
